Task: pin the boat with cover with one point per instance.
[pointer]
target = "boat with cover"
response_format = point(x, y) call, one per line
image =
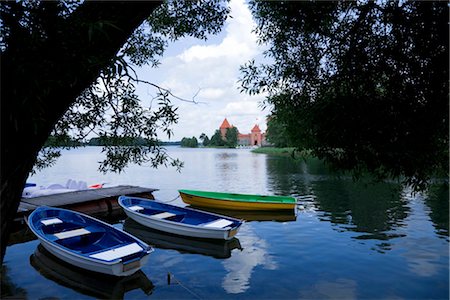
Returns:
point(236, 201)
point(88, 243)
point(179, 220)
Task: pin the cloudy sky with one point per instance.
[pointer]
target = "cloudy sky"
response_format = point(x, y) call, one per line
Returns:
point(211, 69)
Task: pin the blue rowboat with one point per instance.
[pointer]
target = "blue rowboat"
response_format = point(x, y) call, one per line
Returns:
point(179, 220)
point(88, 243)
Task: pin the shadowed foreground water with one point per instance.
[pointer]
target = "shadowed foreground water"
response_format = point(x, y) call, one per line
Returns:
point(347, 240)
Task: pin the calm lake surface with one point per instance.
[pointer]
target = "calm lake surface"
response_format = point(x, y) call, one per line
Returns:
point(346, 241)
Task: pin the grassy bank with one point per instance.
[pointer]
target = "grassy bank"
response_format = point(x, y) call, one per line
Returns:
point(274, 151)
point(288, 151)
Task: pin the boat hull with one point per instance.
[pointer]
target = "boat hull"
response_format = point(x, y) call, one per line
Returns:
point(85, 282)
point(78, 250)
point(116, 269)
point(183, 244)
point(179, 228)
point(233, 204)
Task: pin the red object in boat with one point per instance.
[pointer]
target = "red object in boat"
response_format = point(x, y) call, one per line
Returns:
point(96, 186)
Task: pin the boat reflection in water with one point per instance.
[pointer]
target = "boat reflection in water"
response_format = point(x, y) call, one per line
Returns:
point(256, 215)
point(87, 282)
point(163, 240)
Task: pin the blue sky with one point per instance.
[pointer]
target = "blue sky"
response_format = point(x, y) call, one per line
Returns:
point(210, 68)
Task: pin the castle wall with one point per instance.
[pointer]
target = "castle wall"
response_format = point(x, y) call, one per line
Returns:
point(255, 138)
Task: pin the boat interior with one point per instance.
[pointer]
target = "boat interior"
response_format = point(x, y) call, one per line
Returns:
point(90, 239)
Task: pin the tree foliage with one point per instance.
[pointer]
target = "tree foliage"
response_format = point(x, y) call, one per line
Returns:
point(205, 139)
point(189, 142)
point(216, 139)
point(230, 140)
point(363, 85)
point(110, 107)
point(231, 137)
point(67, 70)
point(276, 133)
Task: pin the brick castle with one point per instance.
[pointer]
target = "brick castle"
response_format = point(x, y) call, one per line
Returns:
point(254, 138)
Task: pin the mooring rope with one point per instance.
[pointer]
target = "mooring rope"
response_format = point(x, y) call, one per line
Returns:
point(172, 199)
point(171, 277)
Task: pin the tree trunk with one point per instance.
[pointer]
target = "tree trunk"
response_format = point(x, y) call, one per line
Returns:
point(42, 76)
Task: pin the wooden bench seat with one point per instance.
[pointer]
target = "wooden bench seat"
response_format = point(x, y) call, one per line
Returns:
point(136, 208)
point(163, 215)
point(51, 221)
point(220, 223)
point(119, 252)
point(71, 233)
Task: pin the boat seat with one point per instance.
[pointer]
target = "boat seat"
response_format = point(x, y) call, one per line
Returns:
point(119, 252)
point(220, 223)
point(136, 208)
point(71, 233)
point(163, 215)
point(51, 221)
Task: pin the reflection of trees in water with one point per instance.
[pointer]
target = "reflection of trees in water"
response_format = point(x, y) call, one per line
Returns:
point(372, 209)
point(375, 210)
point(293, 177)
point(437, 200)
point(238, 171)
point(8, 288)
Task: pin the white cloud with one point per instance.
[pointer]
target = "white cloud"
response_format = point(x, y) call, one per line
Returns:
point(211, 71)
point(212, 93)
point(239, 41)
point(241, 108)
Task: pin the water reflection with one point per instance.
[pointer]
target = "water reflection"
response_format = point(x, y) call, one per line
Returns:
point(85, 282)
point(226, 161)
point(8, 288)
point(239, 171)
point(249, 215)
point(217, 249)
point(437, 199)
point(340, 289)
point(241, 265)
point(375, 211)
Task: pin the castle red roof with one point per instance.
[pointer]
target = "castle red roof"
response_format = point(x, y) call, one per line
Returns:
point(225, 124)
point(256, 128)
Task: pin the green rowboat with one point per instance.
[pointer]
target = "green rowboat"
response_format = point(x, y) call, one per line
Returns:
point(236, 201)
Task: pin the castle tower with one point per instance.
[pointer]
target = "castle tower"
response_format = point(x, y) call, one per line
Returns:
point(256, 138)
point(223, 128)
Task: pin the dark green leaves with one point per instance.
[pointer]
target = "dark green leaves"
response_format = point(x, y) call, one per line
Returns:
point(110, 111)
point(363, 85)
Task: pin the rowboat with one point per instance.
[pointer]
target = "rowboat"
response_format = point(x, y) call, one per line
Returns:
point(92, 284)
point(88, 243)
point(179, 220)
point(236, 201)
point(183, 244)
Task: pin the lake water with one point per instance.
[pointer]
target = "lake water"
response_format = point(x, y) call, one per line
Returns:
point(346, 240)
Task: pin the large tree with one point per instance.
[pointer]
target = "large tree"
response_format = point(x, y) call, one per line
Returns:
point(363, 84)
point(67, 67)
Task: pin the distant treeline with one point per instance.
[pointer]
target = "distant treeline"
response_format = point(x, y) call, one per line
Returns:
point(230, 140)
point(67, 141)
point(189, 142)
